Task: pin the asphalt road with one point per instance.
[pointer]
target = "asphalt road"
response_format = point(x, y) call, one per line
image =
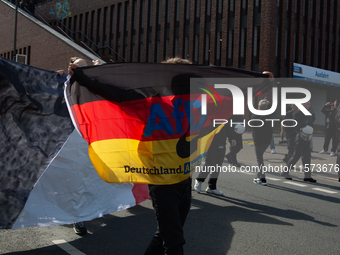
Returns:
point(285, 217)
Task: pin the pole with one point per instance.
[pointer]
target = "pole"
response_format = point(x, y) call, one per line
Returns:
point(15, 29)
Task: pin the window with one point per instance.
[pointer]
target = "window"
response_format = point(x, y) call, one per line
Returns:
point(207, 49)
point(218, 47)
point(256, 49)
point(244, 7)
point(243, 44)
point(92, 29)
point(257, 6)
point(231, 8)
point(104, 30)
point(230, 47)
point(112, 26)
point(80, 26)
point(98, 28)
point(74, 32)
point(86, 26)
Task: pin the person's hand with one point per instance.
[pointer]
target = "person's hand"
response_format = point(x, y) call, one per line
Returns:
point(95, 62)
point(233, 143)
point(71, 67)
point(60, 72)
point(270, 74)
point(282, 133)
point(335, 103)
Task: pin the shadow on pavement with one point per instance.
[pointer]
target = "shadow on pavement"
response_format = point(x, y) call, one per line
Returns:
point(208, 229)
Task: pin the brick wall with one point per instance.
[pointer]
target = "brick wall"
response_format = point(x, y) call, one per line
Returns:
point(154, 42)
point(47, 51)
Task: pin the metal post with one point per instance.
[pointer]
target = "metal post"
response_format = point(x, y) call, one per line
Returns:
point(15, 29)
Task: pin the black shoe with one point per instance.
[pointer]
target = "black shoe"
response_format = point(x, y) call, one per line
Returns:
point(339, 179)
point(309, 180)
point(236, 164)
point(286, 176)
point(79, 228)
point(228, 157)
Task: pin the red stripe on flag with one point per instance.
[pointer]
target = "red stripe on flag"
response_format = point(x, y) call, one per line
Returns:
point(102, 120)
point(140, 192)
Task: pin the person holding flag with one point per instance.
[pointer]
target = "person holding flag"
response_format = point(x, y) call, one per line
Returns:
point(136, 119)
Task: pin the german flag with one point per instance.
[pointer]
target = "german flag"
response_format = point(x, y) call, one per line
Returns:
point(143, 121)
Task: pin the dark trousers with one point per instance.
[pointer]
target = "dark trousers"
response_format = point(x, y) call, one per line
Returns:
point(260, 148)
point(215, 156)
point(235, 149)
point(171, 204)
point(330, 134)
point(290, 145)
point(301, 149)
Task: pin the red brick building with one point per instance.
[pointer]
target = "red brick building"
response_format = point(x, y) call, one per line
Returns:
point(255, 35)
point(251, 34)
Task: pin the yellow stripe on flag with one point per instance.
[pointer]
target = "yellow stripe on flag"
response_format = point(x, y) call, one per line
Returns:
point(152, 162)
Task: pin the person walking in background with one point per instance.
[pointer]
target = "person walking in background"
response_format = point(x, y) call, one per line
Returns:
point(337, 126)
point(303, 132)
point(289, 131)
point(330, 133)
point(272, 143)
point(262, 136)
point(311, 110)
point(215, 156)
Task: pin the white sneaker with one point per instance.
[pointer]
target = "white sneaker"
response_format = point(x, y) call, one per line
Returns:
point(332, 154)
point(214, 191)
point(198, 186)
point(273, 151)
point(323, 152)
point(261, 181)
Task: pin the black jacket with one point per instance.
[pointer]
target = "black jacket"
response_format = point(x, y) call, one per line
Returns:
point(330, 116)
point(303, 120)
point(262, 134)
point(289, 130)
